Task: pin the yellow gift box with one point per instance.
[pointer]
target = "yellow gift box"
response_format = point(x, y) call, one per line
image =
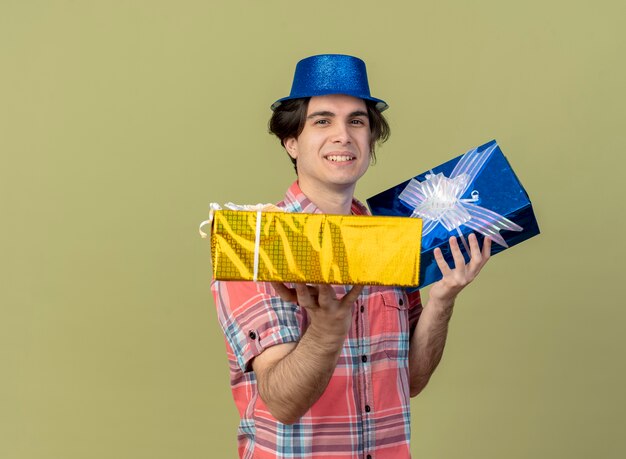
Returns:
point(315, 248)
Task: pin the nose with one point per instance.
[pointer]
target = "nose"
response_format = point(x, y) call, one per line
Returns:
point(341, 134)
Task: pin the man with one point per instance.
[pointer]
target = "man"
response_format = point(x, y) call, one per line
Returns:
point(327, 371)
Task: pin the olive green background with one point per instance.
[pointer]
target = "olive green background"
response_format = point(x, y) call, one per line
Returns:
point(121, 120)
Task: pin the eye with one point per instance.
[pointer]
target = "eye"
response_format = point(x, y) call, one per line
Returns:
point(322, 121)
point(357, 121)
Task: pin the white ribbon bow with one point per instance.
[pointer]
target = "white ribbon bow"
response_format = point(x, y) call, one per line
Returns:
point(437, 200)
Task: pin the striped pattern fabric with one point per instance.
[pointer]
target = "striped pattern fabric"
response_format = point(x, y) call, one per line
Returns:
point(364, 411)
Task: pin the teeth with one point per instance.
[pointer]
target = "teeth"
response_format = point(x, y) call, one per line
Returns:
point(339, 159)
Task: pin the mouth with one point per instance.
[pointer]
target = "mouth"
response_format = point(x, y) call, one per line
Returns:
point(340, 158)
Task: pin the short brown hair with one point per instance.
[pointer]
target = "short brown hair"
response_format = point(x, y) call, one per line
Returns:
point(289, 118)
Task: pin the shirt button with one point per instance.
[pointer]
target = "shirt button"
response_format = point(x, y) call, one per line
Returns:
point(362, 308)
point(401, 302)
point(252, 335)
point(369, 456)
point(367, 408)
point(364, 358)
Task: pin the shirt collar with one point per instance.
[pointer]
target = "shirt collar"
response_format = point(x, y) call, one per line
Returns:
point(296, 201)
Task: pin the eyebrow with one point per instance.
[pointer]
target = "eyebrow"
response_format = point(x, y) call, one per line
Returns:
point(331, 114)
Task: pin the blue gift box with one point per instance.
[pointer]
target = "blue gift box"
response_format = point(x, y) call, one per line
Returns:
point(489, 200)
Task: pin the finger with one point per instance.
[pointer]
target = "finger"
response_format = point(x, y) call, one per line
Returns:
point(475, 253)
point(314, 292)
point(305, 298)
point(486, 249)
point(441, 262)
point(476, 258)
point(326, 294)
point(352, 295)
point(459, 261)
point(477, 264)
point(287, 294)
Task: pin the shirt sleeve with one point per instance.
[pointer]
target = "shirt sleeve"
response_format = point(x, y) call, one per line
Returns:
point(254, 318)
point(415, 308)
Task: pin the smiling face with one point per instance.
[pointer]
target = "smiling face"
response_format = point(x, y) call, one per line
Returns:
point(333, 149)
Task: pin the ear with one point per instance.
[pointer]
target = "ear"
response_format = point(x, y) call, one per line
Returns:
point(291, 145)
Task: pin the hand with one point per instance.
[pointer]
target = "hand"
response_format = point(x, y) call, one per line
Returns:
point(329, 314)
point(455, 280)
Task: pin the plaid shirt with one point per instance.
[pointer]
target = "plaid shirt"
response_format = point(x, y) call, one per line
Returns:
point(364, 411)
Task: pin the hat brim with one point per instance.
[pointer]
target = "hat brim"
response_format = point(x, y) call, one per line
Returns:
point(381, 105)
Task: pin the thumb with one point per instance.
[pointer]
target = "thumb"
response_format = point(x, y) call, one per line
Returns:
point(353, 294)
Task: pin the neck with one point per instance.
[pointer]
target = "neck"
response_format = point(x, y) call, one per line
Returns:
point(330, 200)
